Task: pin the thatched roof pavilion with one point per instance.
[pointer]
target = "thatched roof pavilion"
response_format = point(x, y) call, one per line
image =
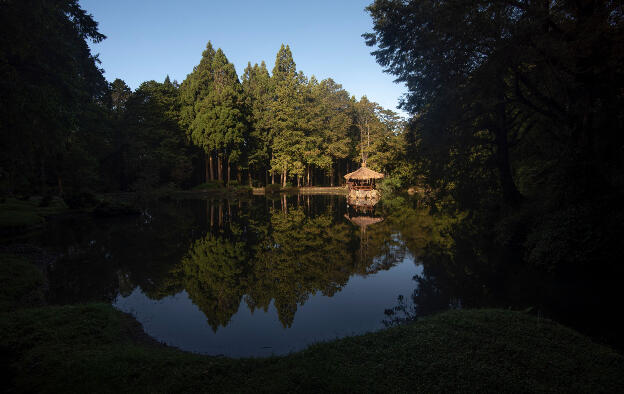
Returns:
point(363, 173)
point(363, 179)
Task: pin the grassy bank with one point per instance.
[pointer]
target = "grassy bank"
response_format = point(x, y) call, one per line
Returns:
point(22, 215)
point(95, 348)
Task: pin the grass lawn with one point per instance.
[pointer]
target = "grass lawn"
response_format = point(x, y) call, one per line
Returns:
point(95, 348)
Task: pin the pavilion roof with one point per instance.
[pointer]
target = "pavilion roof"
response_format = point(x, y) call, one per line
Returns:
point(364, 173)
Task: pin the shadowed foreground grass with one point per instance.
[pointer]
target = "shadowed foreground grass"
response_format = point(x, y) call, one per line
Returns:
point(17, 215)
point(95, 348)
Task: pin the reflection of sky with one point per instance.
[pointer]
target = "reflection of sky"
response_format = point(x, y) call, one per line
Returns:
point(357, 308)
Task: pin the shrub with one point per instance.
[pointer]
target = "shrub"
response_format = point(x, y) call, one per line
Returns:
point(273, 188)
point(389, 185)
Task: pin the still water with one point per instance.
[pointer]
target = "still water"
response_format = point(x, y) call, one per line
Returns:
point(250, 277)
point(261, 276)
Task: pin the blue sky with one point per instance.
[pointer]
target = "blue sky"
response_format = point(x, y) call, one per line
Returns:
point(151, 39)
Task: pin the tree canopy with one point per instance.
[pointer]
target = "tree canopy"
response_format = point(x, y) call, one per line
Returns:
point(516, 115)
point(67, 131)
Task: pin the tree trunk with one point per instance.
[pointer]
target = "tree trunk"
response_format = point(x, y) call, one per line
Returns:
point(219, 169)
point(284, 178)
point(308, 183)
point(511, 195)
point(249, 177)
point(368, 143)
point(207, 167)
point(338, 177)
point(211, 169)
point(228, 170)
point(272, 172)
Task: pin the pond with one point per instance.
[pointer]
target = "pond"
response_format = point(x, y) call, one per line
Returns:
point(247, 277)
point(261, 276)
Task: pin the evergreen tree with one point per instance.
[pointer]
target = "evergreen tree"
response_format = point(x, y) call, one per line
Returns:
point(160, 153)
point(257, 89)
point(213, 111)
point(335, 107)
point(285, 131)
point(49, 78)
point(193, 90)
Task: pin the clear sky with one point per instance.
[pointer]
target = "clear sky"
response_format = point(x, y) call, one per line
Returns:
point(151, 39)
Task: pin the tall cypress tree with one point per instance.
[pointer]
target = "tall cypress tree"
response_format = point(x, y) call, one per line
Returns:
point(193, 90)
point(212, 111)
point(336, 106)
point(285, 130)
point(258, 95)
point(224, 114)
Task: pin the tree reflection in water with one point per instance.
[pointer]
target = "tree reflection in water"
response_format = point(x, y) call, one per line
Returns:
point(283, 250)
point(471, 265)
point(276, 251)
point(283, 260)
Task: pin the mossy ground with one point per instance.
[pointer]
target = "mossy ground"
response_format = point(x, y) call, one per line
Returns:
point(21, 215)
point(22, 283)
point(95, 348)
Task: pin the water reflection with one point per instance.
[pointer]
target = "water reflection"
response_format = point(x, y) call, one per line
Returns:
point(271, 275)
point(468, 266)
point(248, 260)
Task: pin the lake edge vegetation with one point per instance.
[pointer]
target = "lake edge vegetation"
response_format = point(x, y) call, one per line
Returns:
point(96, 348)
point(516, 119)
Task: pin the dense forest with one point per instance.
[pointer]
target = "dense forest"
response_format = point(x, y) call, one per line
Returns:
point(517, 121)
point(66, 130)
point(516, 117)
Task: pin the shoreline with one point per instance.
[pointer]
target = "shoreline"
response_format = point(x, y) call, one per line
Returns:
point(94, 347)
point(307, 190)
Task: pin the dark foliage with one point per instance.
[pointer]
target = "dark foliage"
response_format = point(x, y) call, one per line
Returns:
point(517, 115)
